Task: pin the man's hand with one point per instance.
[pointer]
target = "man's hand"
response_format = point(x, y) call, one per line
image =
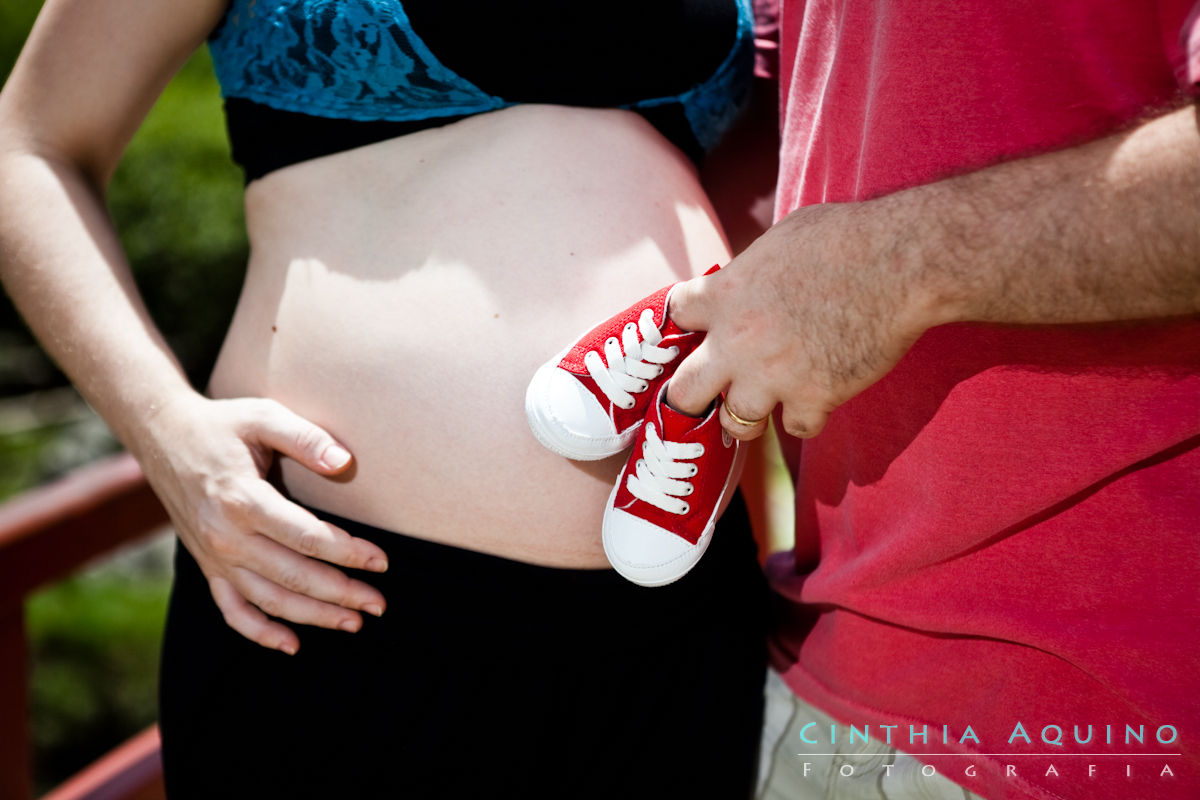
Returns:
point(816, 310)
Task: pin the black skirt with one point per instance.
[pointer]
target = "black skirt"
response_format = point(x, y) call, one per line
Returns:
point(486, 677)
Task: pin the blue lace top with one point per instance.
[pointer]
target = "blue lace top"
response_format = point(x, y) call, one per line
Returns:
point(361, 60)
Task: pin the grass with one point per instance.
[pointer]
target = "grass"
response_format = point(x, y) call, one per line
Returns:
point(95, 640)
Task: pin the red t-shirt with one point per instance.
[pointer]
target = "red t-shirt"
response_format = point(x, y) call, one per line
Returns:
point(1004, 531)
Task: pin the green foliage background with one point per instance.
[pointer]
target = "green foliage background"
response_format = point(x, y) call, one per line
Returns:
point(176, 201)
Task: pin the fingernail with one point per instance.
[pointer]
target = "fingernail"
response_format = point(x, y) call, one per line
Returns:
point(335, 456)
point(350, 625)
point(373, 609)
point(290, 649)
point(376, 564)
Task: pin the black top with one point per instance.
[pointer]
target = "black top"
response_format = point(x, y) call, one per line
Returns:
point(661, 59)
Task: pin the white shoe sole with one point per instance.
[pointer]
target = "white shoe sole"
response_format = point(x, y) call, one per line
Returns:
point(669, 572)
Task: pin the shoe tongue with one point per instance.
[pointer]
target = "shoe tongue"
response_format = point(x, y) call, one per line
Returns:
point(675, 425)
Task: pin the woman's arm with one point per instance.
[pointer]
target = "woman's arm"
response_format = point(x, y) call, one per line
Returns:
point(87, 77)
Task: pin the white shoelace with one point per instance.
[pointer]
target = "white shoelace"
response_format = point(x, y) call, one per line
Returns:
point(661, 474)
point(631, 370)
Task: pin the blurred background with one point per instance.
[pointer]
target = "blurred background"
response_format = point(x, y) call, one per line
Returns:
point(176, 200)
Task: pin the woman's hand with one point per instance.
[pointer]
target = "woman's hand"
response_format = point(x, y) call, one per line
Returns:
point(262, 554)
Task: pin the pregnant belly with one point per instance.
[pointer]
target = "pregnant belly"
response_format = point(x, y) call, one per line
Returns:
point(402, 294)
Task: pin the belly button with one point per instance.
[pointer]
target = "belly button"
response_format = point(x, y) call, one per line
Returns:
point(273, 329)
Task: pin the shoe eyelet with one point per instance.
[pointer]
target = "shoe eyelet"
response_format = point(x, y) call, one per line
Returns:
point(690, 489)
point(695, 472)
point(629, 326)
point(686, 509)
point(629, 405)
point(699, 450)
point(661, 370)
point(674, 351)
point(645, 386)
point(612, 340)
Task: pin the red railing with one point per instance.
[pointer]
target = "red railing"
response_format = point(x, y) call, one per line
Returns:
point(45, 534)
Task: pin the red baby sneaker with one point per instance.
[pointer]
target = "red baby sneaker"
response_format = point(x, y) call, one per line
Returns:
point(661, 514)
point(588, 402)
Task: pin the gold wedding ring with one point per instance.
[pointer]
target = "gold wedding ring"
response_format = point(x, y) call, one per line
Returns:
point(748, 423)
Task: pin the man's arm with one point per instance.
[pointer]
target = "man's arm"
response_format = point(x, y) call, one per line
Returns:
point(828, 300)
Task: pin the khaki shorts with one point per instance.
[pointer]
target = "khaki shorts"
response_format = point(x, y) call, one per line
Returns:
point(843, 772)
